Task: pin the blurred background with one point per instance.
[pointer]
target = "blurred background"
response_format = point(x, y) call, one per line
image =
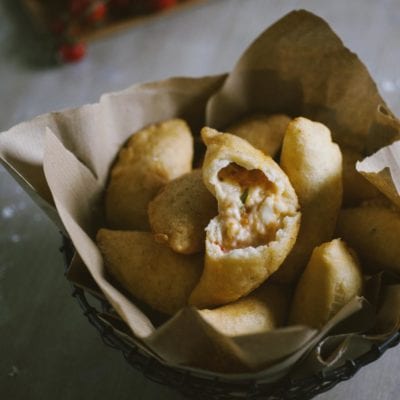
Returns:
point(61, 54)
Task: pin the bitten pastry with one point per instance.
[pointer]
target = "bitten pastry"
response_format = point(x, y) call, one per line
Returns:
point(257, 223)
point(181, 211)
point(262, 310)
point(373, 230)
point(152, 157)
point(313, 164)
point(331, 279)
point(150, 271)
point(264, 132)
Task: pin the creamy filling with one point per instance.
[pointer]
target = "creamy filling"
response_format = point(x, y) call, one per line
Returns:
point(249, 208)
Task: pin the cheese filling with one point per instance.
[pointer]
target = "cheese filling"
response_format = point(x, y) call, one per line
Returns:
point(250, 208)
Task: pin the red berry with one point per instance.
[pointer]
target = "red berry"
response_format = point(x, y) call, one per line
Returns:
point(71, 52)
point(97, 13)
point(158, 5)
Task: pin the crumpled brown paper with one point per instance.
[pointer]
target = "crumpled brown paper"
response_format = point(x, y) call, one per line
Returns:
point(382, 169)
point(300, 67)
point(297, 66)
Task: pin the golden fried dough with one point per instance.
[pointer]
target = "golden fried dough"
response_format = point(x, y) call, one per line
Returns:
point(150, 271)
point(262, 310)
point(356, 188)
point(264, 132)
point(152, 157)
point(313, 164)
point(373, 230)
point(331, 279)
point(257, 223)
point(181, 211)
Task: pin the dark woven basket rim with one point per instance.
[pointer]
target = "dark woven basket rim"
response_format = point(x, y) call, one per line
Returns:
point(198, 385)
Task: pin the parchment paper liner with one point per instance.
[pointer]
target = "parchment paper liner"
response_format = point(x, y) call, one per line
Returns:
point(298, 66)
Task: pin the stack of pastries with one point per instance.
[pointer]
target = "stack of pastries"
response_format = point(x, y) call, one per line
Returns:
point(276, 227)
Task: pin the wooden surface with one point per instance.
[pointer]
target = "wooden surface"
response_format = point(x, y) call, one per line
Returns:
point(47, 348)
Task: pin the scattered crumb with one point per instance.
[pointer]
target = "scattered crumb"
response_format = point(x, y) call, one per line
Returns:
point(14, 371)
point(7, 212)
point(388, 86)
point(15, 238)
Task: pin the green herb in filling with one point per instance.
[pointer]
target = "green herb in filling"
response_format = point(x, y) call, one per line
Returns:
point(243, 196)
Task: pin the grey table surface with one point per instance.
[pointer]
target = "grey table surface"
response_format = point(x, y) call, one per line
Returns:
point(47, 348)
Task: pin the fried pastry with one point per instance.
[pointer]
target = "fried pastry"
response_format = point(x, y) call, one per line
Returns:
point(331, 279)
point(262, 310)
point(149, 271)
point(264, 132)
point(373, 229)
point(313, 164)
point(356, 188)
point(152, 157)
point(257, 221)
point(179, 214)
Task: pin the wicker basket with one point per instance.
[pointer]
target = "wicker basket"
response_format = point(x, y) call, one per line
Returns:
point(196, 385)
